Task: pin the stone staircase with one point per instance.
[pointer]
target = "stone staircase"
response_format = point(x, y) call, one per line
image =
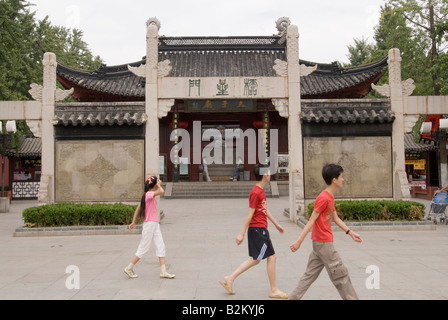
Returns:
point(215, 189)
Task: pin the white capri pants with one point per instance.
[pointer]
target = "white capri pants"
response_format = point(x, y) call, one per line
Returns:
point(151, 233)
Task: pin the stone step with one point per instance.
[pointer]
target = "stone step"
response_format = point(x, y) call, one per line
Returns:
point(225, 189)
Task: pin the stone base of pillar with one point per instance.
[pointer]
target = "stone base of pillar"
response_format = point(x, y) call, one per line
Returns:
point(296, 197)
point(4, 204)
point(402, 191)
point(45, 190)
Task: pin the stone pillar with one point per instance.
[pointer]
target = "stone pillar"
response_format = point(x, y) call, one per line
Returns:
point(46, 189)
point(296, 187)
point(151, 102)
point(400, 181)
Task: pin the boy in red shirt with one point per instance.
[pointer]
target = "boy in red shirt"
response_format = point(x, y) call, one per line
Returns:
point(259, 242)
point(324, 254)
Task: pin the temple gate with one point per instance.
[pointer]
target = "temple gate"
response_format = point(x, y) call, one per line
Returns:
point(127, 147)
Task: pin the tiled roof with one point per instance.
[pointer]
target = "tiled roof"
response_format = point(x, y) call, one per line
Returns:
point(344, 111)
point(411, 146)
point(31, 147)
point(73, 114)
point(224, 57)
point(223, 64)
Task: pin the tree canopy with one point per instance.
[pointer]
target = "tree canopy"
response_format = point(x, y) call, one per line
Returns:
point(419, 29)
point(21, 56)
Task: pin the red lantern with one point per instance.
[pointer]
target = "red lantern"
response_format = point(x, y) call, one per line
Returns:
point(182, 124)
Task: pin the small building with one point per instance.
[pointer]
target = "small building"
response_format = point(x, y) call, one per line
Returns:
point(25, 169)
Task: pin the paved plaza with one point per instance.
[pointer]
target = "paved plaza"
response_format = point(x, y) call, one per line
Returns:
point(201, 250)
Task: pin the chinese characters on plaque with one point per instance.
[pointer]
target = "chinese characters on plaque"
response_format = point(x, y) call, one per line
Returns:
point(222, 88)
point(250, 89)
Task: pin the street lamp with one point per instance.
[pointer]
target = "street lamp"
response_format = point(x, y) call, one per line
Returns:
point(5, 139)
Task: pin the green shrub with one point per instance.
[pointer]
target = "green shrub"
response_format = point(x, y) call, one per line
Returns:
point(76, 214)
point(376, 210)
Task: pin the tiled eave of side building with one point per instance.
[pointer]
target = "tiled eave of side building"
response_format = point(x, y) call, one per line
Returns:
point(417, 147)
point(194, 57)
point(99, 114)
point(356, 111)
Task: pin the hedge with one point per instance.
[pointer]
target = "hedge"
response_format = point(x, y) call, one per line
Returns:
point(78, 214)
point(377, 210)
point(83, 214)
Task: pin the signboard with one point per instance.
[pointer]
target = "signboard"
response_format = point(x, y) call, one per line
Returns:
point(418, 164)
point(222, 88)
point(220, 106)
point(162, 165)
point(183, 166)
point(283, 163)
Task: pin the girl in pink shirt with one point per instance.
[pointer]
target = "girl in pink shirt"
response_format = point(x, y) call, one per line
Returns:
point(151, 228)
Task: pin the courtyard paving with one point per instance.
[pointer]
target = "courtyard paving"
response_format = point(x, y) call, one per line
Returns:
point(200, 238)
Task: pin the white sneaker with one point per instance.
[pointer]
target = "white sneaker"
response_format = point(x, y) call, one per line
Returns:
point(130, 273)
point(167, 275)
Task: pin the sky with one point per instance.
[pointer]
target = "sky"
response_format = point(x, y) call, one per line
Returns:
point(116, 30)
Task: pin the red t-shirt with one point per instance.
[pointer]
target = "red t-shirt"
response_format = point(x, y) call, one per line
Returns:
point(324, 205)
point(257, 200)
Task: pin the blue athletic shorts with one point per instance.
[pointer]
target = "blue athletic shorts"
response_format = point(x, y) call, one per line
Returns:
point(259, 242)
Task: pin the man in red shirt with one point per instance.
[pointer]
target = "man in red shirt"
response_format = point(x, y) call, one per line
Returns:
point(259, 242)
point(324, 254)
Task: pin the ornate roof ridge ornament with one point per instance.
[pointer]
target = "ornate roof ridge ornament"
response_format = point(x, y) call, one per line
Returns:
point(153, 21)
point(282, 24)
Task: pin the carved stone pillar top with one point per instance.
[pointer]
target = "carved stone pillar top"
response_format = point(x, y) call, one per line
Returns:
point(281, 105)
point(165, 107)
point(152, 52)
point(49, 60)
point(394, 62)
point(292, 43)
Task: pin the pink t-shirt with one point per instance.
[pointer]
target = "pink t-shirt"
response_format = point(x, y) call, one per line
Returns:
point(324, 205)
point(151, 213)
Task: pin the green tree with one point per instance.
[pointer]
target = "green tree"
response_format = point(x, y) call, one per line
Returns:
point(21, 56)
point(360, 53)
point(392, 31)
point(420, 31)
point(428, 21)
point(16, 63)
point(67, 44)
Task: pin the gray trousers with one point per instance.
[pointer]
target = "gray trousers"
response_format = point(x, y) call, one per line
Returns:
point(324, 255)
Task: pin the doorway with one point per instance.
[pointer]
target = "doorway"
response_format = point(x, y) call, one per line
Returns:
point(220, 154)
